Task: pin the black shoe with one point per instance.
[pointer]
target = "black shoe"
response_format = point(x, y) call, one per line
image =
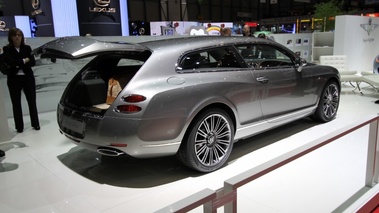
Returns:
point(377, 101)
point(37, 128)
point(20, 130)
point(2, 153)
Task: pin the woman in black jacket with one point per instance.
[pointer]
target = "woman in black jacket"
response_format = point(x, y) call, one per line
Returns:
point(20, 77)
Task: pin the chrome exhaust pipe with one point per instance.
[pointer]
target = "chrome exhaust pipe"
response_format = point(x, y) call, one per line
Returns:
point(110, 152)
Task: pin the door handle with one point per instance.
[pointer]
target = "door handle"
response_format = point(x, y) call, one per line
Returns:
point(262, 79)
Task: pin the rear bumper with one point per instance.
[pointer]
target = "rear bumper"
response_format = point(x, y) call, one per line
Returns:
point(144, 150)
point(111, 136)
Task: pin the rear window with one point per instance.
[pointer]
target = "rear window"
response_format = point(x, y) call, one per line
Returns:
point(109, 62)
point(129, 62)
point(109, 66)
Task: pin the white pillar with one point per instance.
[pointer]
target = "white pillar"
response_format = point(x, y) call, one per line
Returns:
point(65, 18)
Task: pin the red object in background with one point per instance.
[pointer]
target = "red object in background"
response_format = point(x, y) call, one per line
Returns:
point(252, 24)
point(372, 14)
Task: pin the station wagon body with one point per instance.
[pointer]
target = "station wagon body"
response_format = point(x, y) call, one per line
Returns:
point(189, 96)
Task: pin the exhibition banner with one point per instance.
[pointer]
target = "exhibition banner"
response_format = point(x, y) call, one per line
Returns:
point(6, 22)
point(273, 1)
point(41, 18)
point(99, 17)
point(368, 2)
point(361, 46)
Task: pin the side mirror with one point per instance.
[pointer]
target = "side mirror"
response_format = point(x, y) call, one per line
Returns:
point(300, 63)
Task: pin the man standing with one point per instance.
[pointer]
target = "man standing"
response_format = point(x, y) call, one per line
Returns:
point(226, 31)
point(246, 30)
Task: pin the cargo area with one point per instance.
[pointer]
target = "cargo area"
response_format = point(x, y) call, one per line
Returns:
point(99, 83)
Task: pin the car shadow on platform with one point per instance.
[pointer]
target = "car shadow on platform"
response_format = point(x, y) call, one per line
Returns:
point(143, 173)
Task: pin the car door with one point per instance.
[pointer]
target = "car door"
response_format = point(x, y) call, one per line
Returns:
point(229, 78)
point(279, 86)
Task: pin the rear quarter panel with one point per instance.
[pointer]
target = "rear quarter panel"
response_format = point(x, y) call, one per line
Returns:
point(170, 108)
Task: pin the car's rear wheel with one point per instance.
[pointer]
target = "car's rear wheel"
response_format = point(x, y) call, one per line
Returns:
point(209, 142)
point(328, 103)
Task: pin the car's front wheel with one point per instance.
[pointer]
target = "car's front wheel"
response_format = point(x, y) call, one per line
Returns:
point(209, 142)
point(328, 103)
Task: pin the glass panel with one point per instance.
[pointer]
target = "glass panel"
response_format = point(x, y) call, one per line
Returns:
point(220, 57)
point(129, 62)
point(259, 56)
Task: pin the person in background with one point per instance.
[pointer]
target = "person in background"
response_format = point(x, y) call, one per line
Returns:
point(246, 31)
point(262, 35)
point(226, 31)
point(376, 70)
point(21, 78)
point(376, 65)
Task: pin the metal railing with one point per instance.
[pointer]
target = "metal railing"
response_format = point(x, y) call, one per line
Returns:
point(226, 196)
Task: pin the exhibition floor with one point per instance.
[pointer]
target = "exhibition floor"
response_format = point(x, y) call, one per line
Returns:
point(44, 172)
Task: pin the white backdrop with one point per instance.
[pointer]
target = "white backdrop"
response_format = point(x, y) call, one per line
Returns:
point(357, 37)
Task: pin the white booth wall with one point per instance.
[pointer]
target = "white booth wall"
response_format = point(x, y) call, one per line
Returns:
point(357, 37)
point(300, 43)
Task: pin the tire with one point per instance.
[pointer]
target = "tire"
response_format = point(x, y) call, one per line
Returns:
point(328, 103)
point(208, 142)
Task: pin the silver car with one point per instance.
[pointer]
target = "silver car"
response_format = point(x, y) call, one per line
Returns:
point(193, 97)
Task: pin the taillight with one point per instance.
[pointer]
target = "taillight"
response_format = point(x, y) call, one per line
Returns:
point(133, 98)
point(128, 108)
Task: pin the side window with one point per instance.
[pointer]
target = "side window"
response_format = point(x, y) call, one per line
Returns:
point(248, 51)
point(195, 61)
point(212, 58)
point(228, 59)
point(261, 56)
point(266, 52)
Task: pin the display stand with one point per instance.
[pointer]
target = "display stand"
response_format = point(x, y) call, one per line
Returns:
point(4, 128)
point(300, 43)
point(357, 37)
point(323, 44)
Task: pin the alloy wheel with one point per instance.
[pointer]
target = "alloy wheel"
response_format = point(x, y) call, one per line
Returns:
point(213, 139)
